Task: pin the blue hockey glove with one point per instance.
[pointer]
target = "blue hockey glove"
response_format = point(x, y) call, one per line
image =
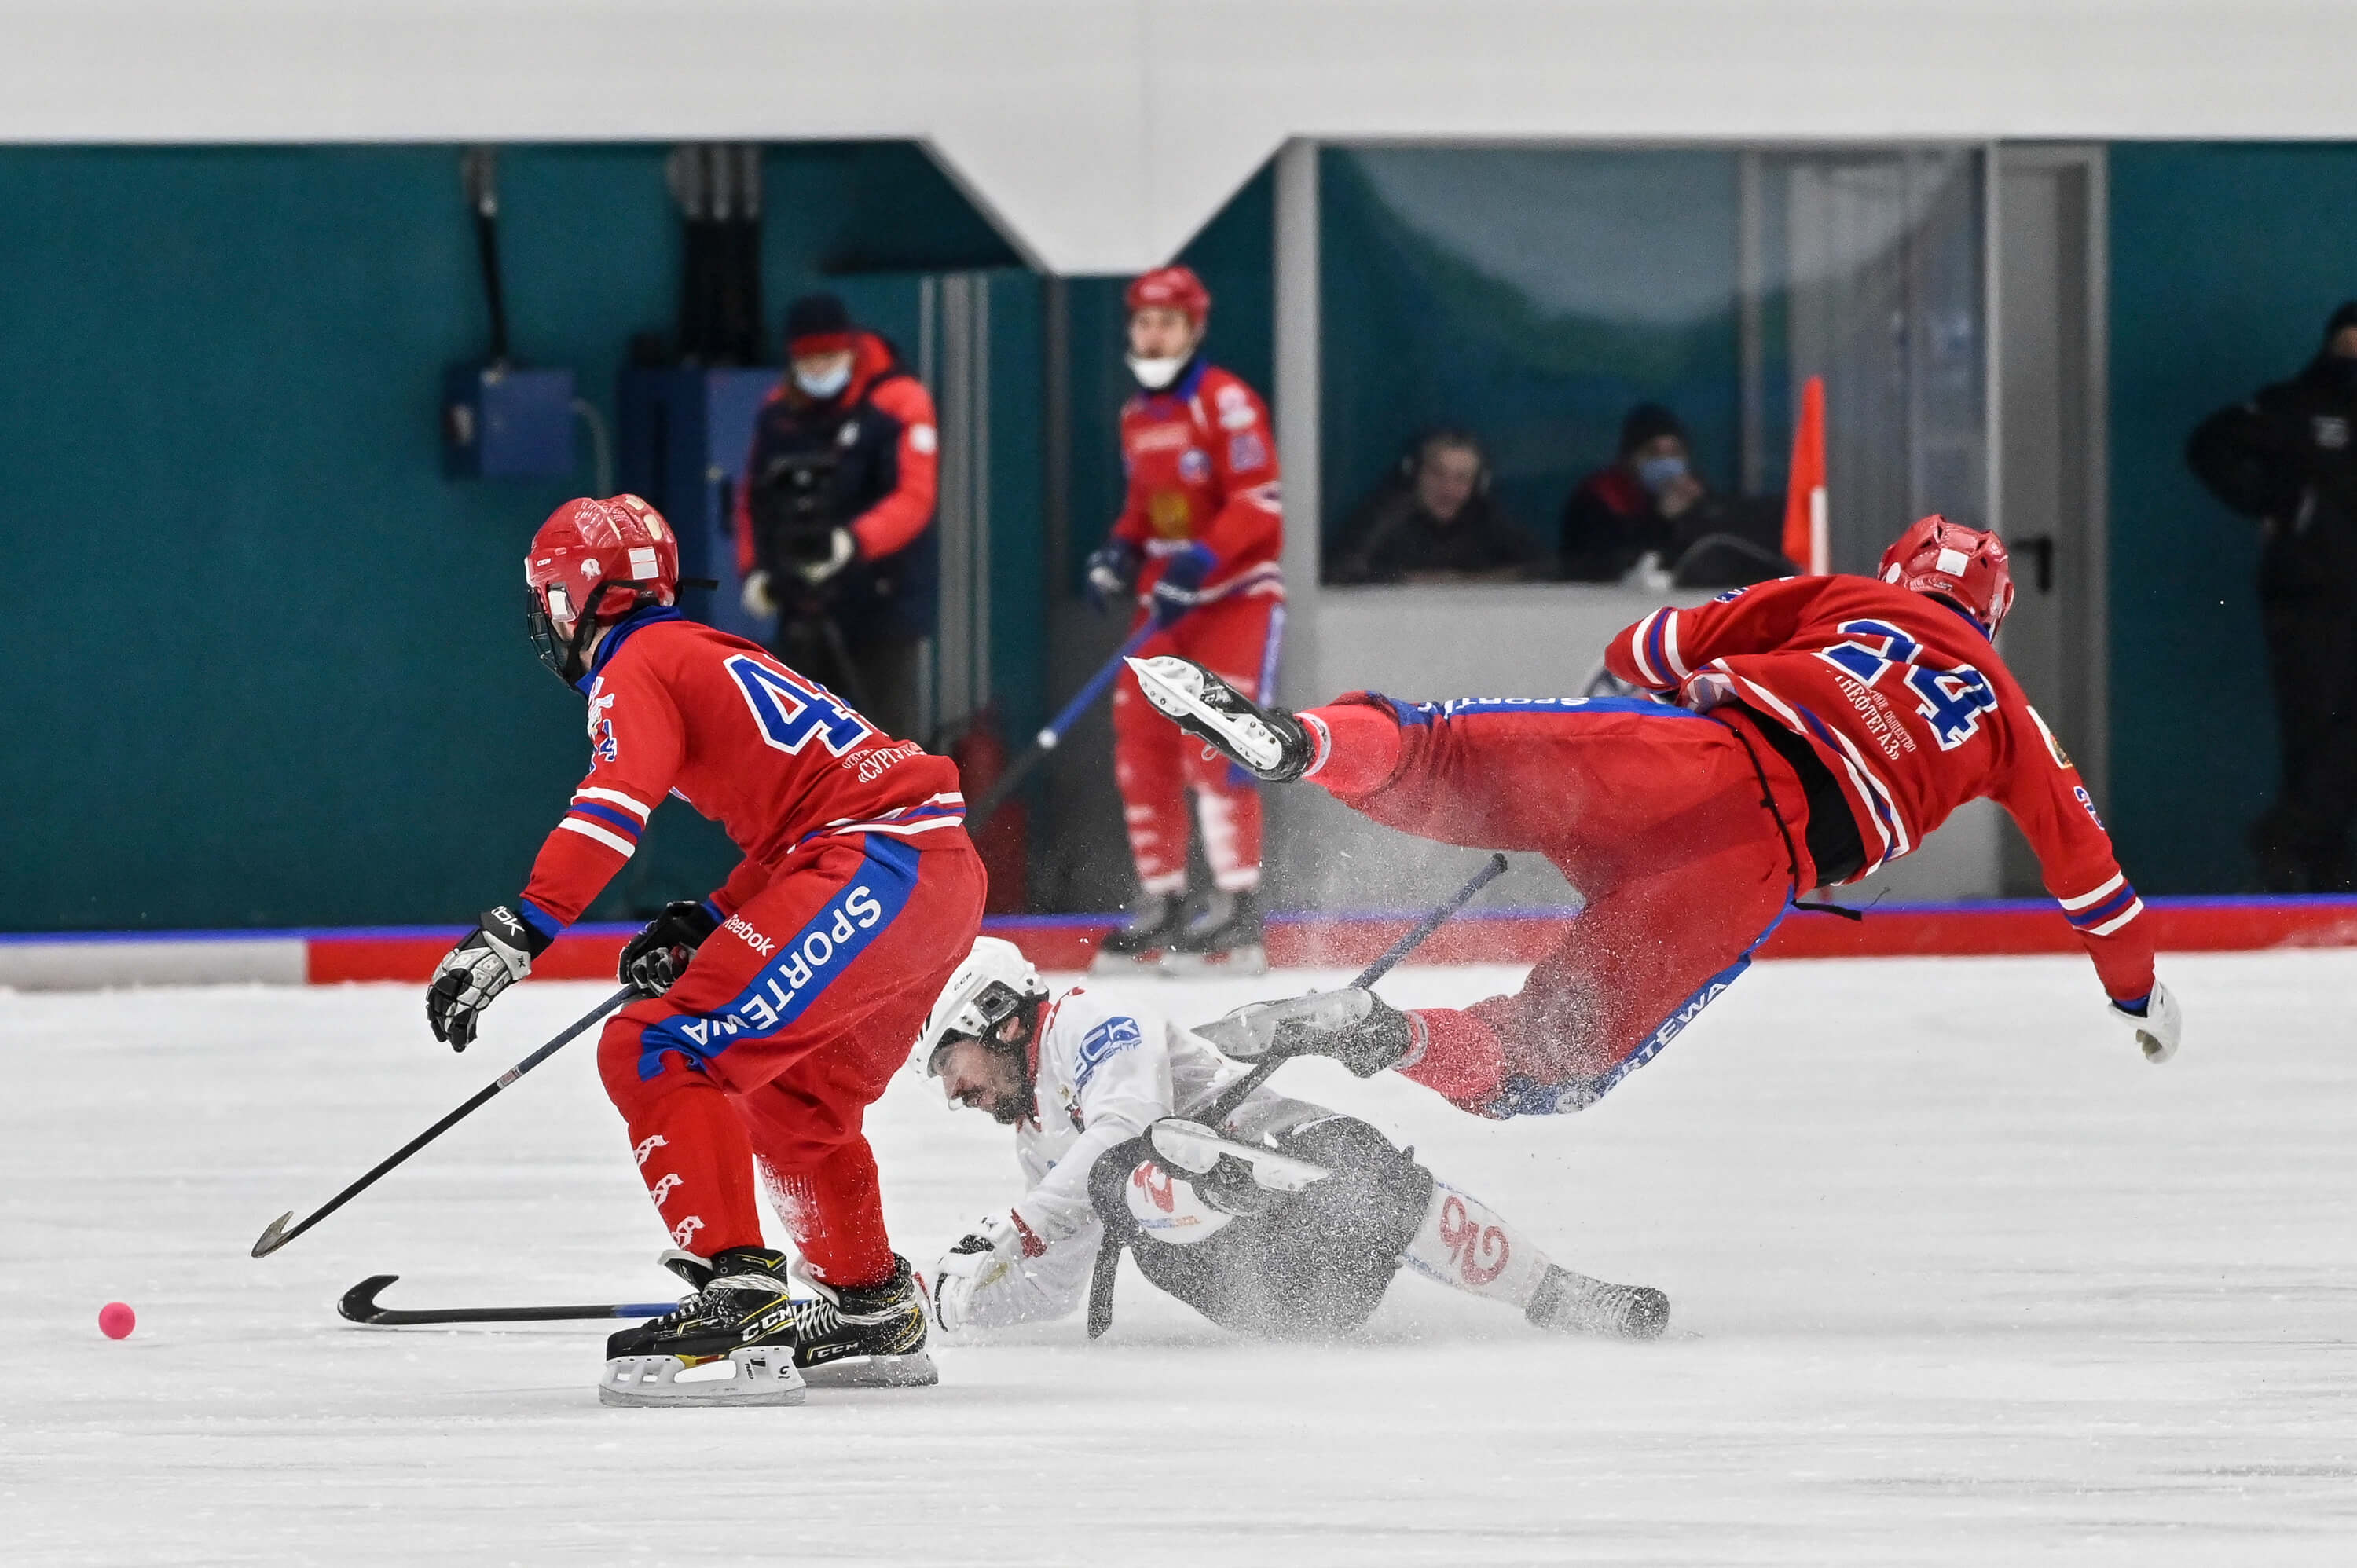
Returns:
point(1111, 572)
point(496, 954)
point(1179, 589)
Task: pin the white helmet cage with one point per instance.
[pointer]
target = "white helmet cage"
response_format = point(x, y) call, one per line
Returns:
point(995, 982)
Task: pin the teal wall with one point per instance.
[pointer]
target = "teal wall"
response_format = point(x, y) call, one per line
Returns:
point(265, 666)
point(2225, 261)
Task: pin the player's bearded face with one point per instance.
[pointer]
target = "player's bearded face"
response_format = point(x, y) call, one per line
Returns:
point(982, 1079)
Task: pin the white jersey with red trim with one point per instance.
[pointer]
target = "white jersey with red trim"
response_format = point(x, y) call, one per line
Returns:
point(1909, 706)
point(1106, 1072)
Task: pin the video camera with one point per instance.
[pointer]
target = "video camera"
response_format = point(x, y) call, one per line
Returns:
point(794, 506)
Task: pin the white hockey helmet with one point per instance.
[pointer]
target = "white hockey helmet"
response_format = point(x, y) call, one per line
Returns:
point(995, 982)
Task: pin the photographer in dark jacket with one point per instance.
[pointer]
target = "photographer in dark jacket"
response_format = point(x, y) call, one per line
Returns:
point(1434, 520)
point(2287, 459)
point(835, 518)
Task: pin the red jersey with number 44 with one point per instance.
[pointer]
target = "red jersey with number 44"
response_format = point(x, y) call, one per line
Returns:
point(1201, 464)
point(678, 708)
point(1909, 707)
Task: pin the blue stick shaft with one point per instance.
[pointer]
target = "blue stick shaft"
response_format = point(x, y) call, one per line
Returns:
point(1087, 696)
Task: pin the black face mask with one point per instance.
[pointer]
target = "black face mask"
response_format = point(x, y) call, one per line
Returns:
point(2345, 370)
point(564, 659)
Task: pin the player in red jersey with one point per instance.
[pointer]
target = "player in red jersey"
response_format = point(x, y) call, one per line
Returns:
point(1822, 727)
point(777, 1008)
point(1198, 542)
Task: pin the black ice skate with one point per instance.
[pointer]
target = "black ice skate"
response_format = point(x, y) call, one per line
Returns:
point(869, 1338)
point(733, 1342)
point(1356, 1028)
point(1223, 937)
point(1269, 743)
point(1569, 1302)
point(1154, 923)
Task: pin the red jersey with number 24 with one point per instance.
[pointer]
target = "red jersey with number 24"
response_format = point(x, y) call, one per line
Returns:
point(1908, 705)
point(678, 708)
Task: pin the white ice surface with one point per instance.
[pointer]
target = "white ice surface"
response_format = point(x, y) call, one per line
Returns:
point(1972, 1284)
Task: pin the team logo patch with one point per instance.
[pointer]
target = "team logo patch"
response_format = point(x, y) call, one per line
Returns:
point(1193, 465)
point(2332, 432)
point(1247, 450)
point(1235, 409)
point(1107, 1039)
point(1169, 1210)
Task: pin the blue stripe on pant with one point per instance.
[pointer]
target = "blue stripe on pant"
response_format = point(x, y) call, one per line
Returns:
point(802, 968)
point(1522, 1095)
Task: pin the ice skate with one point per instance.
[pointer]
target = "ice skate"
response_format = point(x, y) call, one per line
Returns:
point(1569, 1302)
point(867, 1338)
point(733, 1342)
point(1195, 1152)
point(1223, 937)
point(1154, 923)
point(1355, 1027)
point(1269, 743)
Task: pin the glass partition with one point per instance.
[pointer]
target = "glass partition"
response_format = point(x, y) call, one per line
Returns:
point(1608, 344)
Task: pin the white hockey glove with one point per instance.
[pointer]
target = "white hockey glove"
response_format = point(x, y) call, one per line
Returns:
point(2158, 1026)
point(984, 1258)
point(842, 550)
point(495, 955)
point(754, 595)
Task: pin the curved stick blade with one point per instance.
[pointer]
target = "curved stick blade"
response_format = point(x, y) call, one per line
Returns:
point(358, 1304)
point(274, 1236)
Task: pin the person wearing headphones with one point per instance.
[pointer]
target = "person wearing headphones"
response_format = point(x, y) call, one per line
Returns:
point(1432, 518)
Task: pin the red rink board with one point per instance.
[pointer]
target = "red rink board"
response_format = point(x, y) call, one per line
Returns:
point(1342, 942)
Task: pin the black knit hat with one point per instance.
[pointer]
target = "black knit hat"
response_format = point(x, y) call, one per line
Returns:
point(2345, 317)
point(1644, 423)
point(819, 315)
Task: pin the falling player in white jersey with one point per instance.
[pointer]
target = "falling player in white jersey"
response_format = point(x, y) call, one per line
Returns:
point(1287, 1220)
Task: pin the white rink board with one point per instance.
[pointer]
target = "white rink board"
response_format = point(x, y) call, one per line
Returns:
point(1973, 1284)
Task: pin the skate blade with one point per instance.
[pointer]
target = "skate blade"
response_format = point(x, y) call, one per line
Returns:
point(764, 1375)
point(1243, 739)
point(1196, 1149)
point(1229, 963)
point(913, 1371)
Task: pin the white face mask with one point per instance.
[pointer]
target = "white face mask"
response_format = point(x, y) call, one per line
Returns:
point(1156, 374)
point(827, 385)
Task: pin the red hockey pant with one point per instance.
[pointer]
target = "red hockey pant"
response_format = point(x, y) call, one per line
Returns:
point(1655, 814)
point(1154, 762)
point(787, 1026)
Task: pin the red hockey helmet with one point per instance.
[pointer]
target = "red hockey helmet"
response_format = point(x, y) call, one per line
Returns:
point(1966, 567)
point(1175, 287)
point(592, 562)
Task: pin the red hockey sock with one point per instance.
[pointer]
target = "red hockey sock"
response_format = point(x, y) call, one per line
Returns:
point(1358, 747)
point(1463, 1060)
point(698, 1167)
point(836, 1215)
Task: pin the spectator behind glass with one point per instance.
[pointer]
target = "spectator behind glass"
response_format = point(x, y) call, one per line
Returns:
point(2287, 459)
point(1619, 515)
point(1432, 518)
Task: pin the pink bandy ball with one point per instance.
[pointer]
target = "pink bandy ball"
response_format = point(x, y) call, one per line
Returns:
point(116, 1320)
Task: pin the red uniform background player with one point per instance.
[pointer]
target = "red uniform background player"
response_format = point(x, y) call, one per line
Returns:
point(1825, 726)
point(780, 1005)
point(1198, 541)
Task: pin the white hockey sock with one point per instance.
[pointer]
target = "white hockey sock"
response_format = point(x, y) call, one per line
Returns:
point(1466, 1244)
